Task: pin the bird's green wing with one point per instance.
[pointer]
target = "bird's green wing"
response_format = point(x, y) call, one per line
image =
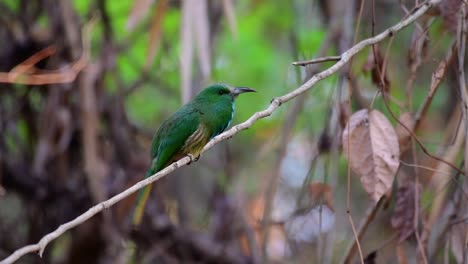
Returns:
point(172, 136)
point(167, 143)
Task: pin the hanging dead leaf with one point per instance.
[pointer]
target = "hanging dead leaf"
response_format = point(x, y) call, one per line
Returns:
point(321, 193)
point(371, 146)
point(324, 143)
point(371, 258)
point(375, 65)
point(405, 208)
point(404, 137)
point(344, 112)
point(139, 9)
point(155, 32)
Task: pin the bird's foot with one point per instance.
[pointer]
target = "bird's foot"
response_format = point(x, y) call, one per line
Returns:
point(193, 158)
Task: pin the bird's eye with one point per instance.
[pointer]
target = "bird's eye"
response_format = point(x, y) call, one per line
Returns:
point(221, 92)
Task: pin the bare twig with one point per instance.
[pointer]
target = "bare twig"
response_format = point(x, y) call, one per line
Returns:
point(426, 168)
point(275, 103)
point(63, 75)
point(370, 215)
point(29, 63)
point(461, 46)
point(462, 34)
point(437, 206)
point(415, 54)
point(318, 60)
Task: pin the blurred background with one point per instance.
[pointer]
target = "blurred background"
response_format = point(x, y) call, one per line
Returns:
point(85, 84)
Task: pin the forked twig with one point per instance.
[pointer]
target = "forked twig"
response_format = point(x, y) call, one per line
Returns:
point(21, 74)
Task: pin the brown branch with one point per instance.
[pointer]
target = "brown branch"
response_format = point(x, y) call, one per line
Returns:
point(26, 65)
point(275, 103)
point(370, 215)
point(462, 34)
point(65, 74)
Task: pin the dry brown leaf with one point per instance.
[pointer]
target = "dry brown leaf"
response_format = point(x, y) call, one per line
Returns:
point(155, 32)
point(404, 137)
point(324, 143)
point(371, 146)
point(375, 65)
point(371, 258)
point(321, 193)
point(345, 113)
point(139, 9)
point(404, 211)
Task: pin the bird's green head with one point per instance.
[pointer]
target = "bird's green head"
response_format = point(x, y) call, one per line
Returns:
point(222, 92)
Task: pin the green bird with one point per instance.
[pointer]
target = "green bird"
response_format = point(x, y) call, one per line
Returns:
point(188, 130)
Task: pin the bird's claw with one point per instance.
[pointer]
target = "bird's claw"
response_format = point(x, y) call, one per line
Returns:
point(193, 158)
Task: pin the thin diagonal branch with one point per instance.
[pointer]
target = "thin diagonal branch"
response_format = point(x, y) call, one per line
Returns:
point(461, 47)
point(318, 60)
point(275, 103)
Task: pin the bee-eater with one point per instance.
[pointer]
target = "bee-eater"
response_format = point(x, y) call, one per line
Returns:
point(188, 130)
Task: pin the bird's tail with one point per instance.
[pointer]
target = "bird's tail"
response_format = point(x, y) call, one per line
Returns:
point(143, 196)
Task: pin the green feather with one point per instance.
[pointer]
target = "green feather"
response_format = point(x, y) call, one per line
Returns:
point(171, 136)
point(167, 142)
point(188, 130)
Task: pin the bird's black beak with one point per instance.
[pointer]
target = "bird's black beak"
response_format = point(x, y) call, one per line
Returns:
point(239, 90)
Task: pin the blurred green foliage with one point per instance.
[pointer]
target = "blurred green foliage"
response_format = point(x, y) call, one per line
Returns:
point(254, 58)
